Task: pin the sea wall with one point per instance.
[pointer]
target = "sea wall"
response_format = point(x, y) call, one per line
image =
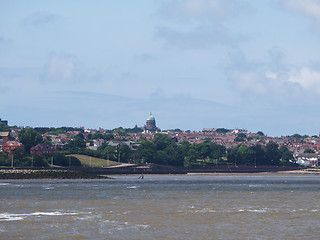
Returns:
point(45, 174)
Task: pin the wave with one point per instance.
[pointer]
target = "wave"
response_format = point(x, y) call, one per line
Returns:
point(4, 184)
point(22, 216)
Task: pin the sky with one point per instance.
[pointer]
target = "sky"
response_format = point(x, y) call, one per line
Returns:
point(194, 64)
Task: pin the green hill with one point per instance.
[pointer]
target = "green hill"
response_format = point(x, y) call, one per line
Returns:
point(93, 162)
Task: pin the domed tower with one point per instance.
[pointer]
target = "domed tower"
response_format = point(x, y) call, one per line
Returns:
point(151, 124)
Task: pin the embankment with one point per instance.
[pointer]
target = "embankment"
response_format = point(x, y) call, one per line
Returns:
point(46, 174)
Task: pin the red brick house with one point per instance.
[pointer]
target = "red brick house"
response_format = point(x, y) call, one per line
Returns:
point(11, 145)
point(43, 150)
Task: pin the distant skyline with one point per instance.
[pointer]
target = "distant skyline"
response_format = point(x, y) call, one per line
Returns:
point(193, 63)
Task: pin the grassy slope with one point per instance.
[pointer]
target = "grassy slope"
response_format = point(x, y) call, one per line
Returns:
point(95, 162)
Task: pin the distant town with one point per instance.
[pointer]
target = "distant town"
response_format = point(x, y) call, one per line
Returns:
point(45, 146)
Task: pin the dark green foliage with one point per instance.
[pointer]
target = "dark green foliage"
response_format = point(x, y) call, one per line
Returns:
point(39, 161)
point(233, 156)
point(258, 155)
point(260, 133)
point(56, 131)
point(136, 129)
point(77, 144)
point(29, 138)
point(241, 154)
point(308, 150)
point(97, 135)
point(273, 154)
point(60, 159)
point(20, 159)
point(4, 160)
point(4, 127)
point(222, 130)
point(124, 153)
point(162, 150)
point(286, 155)
point(43, 130)
point(241, 137)
point(296, 135)
point(146, 151)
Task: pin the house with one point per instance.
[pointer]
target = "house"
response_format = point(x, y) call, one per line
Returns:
point(117, 144)
point(307, 159)
point(43, 150)
point(4, 135)
point(1, 144)
point(10, 146)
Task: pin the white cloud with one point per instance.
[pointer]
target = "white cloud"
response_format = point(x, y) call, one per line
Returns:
point(199, 9)
point(310, 8)
point(40, 18)
point(196, 7)
point(201, 37)
point(306, 78)
point(199, 23)
point(61, 68)
point(263, 79)
point(67, 69)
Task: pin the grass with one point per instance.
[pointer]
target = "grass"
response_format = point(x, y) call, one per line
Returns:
point(93, 162)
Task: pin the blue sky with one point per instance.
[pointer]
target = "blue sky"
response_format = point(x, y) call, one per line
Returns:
point(193, 63)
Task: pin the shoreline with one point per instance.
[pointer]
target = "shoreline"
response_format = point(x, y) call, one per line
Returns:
point(46, 174)
point(73, 174)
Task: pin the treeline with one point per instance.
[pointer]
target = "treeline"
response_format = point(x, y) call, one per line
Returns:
point(161, 150)
point(21, 159)
point(166, 150)
point(270, 154)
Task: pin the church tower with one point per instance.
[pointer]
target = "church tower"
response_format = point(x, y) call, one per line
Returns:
point(151, 124)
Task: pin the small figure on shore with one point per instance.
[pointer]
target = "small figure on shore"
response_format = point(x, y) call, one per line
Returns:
point(141, 176)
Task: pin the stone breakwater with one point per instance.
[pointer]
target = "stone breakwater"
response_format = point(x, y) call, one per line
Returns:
point(45, 174)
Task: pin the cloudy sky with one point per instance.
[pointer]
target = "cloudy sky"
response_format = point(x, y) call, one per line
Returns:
point(193, 63)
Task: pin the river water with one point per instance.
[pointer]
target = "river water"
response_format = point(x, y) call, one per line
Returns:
point(162, 207)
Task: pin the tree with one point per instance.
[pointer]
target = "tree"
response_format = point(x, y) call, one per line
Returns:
point(39, 161)
point(97, 135)
point(233, 155)
point(77, 144)
point(163, 141)
point(222, 130)
point(246, 155)
point(308, 150)
point(146, 151)
point(4, 159)
point(109, 153)
point(4, 127)
point(61, 160)
point(29, 138)
point(286, 155)
point(260, 133)
point(203, 150)
point(20, 159)
point(217, 151)
point(260, 157)
point(273, 154)
point(241, 137)
point(124, 153)
point(296, 135)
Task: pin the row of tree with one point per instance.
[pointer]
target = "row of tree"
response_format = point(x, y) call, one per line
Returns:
point(165, 150)
point(161, 150)
point(21, 159)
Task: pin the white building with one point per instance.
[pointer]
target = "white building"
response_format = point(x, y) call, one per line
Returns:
point(307, 159)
